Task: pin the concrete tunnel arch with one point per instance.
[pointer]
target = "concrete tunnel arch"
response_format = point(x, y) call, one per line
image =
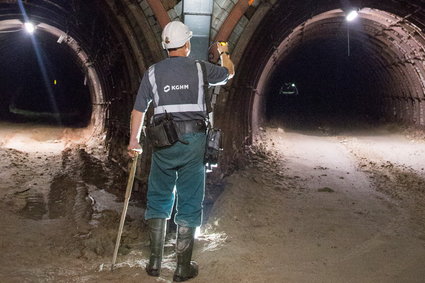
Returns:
point(392, 34)
point(112, 42)
point(97, 97)
point(399, 60)
point(121, 43)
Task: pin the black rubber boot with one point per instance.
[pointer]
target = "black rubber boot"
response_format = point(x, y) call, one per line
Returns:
point(186, 269)
point(157, 238)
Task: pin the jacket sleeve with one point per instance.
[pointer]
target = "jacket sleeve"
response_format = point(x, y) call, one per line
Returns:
point(216, 75)
point(144, 95)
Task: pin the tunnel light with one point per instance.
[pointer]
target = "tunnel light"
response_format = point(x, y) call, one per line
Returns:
point(29, 27)
point(61, 38)
point(352, 16)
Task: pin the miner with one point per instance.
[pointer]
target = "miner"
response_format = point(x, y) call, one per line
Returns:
point(177, 131)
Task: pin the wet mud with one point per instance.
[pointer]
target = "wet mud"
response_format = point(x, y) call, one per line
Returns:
point(35, 207)
point(311, 208)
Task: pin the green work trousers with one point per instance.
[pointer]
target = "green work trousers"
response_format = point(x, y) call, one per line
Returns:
point(178, 169)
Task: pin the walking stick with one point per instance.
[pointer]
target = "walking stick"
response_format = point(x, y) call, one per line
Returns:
point(124, 210)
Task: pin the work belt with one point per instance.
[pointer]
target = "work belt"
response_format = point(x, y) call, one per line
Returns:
point(191, 126)
point(166, 132)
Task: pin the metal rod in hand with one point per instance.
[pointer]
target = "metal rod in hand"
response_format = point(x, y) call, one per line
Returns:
point(124, 210)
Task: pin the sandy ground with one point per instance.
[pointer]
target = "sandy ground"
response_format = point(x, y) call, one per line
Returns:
point(308, 207)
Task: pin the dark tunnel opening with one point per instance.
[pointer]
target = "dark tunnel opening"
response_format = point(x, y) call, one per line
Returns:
point(331, 87)
point(45, 82)
point(345, 75)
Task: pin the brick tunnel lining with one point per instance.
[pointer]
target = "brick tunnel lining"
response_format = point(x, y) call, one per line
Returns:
point(396, 45)
point(121, 59)
point(112, 43)
point(356, 78)
point(64, 19)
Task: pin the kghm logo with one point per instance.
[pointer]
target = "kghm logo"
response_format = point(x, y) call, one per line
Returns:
point(167, 88)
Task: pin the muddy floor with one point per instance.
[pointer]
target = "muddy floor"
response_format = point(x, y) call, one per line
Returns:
point(317, 206)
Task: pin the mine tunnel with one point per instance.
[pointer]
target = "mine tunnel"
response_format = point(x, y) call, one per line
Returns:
point(346, 71)
point(68, 86)
point(371, 67)
point(327, 83)
point(351, 69)
point(43, 78)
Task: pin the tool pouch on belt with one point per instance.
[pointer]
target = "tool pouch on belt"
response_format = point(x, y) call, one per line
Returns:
point(213, 147)
point(162, 133)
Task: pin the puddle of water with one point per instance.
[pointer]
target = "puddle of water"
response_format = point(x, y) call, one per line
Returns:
point(107, 201)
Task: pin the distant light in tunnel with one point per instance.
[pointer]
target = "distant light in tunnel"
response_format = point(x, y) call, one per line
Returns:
point(352, 16)
point(29, 27)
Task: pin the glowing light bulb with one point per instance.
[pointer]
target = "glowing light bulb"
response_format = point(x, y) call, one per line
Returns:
point(29, 27)
point(352, 16)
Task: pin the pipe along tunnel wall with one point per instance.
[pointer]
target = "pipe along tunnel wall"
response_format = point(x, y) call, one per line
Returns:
point(385, 69)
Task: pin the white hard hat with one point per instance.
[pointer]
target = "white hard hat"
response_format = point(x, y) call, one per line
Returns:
point(175, 34)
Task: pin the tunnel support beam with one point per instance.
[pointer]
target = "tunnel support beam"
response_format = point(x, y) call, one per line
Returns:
point(384, 31)
point(159, 12)
point(140, 59)
point(143, 23)
point(229, 24)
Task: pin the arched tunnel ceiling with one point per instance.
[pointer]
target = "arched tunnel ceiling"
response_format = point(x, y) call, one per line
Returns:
point(9, 43)
point(391, 32)
point(119, 43)
point(389, 38)
point(110, 39)
point(38, 69)
point(80, 53)
point(104, 30)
